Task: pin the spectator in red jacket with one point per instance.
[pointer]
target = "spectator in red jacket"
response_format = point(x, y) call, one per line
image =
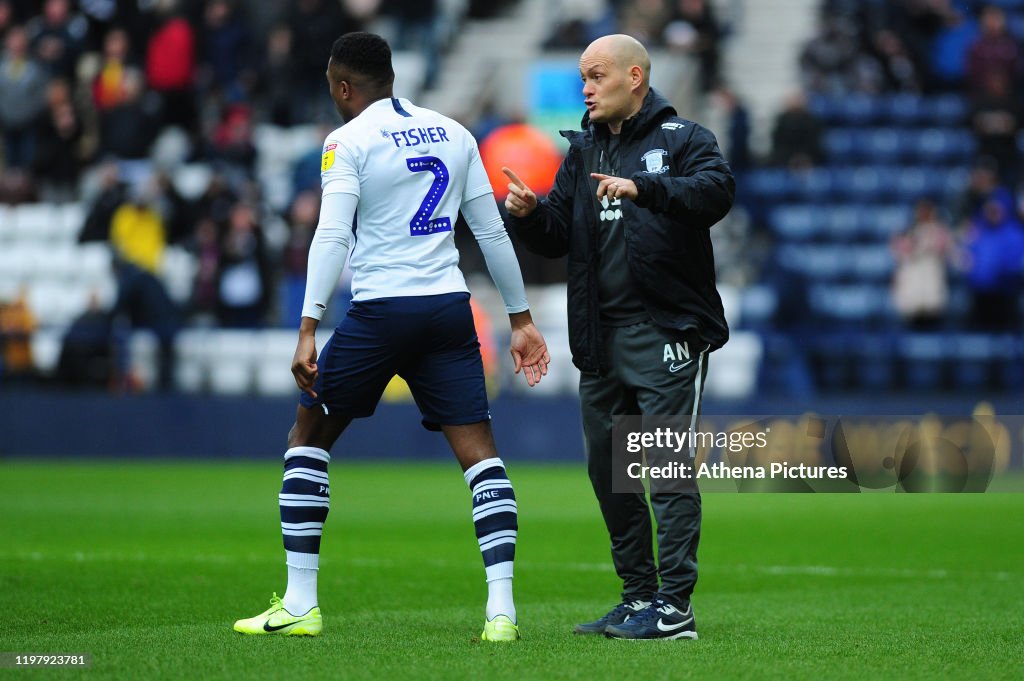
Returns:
point(170, 68)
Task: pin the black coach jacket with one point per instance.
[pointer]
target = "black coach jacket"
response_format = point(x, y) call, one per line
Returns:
point(685, 186)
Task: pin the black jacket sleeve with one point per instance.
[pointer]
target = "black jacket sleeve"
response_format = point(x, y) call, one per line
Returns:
point(545, 231)
point(702, 192)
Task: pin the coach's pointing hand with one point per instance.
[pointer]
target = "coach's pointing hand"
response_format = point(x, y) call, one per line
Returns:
point(615, 187)
point(521, 200)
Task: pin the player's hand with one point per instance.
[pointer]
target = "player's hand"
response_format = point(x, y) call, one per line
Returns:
point(529, 352)
point(304, 367)
point(615, 187)
point(521, 201)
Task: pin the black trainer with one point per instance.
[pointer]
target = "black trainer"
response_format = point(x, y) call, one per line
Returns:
point(660, 620)
point(619, 614)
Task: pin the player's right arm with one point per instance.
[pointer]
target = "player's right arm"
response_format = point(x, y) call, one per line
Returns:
point(327, 254)
point(542, 226)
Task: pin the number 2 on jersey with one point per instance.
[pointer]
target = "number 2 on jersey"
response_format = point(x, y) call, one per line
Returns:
point(422, 223)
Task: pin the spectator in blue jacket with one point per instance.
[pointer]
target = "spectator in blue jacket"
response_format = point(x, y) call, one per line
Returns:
point(994, 258)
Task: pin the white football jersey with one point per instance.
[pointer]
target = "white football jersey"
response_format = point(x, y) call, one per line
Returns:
point(411, 169)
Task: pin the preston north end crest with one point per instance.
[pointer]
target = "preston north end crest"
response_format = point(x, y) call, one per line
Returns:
point(655, 161)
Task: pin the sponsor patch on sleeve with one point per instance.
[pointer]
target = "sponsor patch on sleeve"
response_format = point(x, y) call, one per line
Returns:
point(327, 160)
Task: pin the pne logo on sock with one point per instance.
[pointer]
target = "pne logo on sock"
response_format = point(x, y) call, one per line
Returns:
point(485, 495)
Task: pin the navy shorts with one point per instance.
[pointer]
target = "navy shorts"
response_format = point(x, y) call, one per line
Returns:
point(430, 341)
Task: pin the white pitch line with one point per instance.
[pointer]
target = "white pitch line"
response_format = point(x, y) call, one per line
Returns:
point(807, 570)
point(377, 563)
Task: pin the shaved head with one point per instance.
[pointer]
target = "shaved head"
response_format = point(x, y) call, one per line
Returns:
point(616, 74)
point(623, 51)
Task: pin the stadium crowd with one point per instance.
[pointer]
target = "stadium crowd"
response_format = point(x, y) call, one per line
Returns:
point(92, 91)
point(921, 48)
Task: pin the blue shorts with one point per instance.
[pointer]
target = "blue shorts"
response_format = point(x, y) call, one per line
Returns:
point(430, 341)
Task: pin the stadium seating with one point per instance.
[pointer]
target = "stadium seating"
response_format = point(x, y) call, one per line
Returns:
point(905, 109)
point(832, 227)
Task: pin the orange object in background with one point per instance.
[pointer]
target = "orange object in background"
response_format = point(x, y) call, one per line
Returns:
point(524, 149)
point(488, 346)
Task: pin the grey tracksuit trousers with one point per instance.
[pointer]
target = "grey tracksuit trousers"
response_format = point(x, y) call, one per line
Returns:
point(647, 378)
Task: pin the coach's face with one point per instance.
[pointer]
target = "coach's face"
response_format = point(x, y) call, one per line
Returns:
point(607, 86)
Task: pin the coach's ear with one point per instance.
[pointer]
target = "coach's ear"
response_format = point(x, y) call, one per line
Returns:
point(636, 77)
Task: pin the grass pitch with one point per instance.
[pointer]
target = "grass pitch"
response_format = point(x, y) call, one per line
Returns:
point(146, 566)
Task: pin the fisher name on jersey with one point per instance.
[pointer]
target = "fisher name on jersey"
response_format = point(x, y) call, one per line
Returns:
point(411, 169)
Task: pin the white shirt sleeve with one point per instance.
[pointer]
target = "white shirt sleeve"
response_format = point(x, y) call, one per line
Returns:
point(477, 183)
point(328, 252)
point(339, 168)
point(487, 226)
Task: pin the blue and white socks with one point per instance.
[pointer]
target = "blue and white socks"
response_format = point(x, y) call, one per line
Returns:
point(305, 500)
point(496, 519)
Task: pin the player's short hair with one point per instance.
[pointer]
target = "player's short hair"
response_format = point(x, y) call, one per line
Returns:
point(366, 54)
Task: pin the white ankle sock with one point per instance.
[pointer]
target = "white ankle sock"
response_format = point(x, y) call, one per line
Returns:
point(300, 597)
point(499, 592)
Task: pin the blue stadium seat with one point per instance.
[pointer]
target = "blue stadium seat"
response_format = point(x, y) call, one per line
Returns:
point(855, 304)
point(884, 145)
point(924, 361)
point(858, 110)
point(794, 223)
point(945, 110)
point(757, 306)
point(905, 109)
point(866, 186)
point(874, 363)
point(972, 361)
point(823, 107)
point(844, 222)
point(938, 145)
point(1008, 351)
point(917, 182)
point(772, 185)
point(813, 186)
point(842, 182)
point(954, 180)
point(833, 361)
point(834, 263)
point(912, 184)
point(817, 263)
point(871, 264)
point(843, 145)
point(888, 221)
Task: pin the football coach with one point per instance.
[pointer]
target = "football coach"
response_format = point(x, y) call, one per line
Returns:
point(632, 207)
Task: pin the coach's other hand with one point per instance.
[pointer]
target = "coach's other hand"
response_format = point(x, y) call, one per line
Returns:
point(528, 349)
point(304, 367)
point(615, 187)
point(521, 200)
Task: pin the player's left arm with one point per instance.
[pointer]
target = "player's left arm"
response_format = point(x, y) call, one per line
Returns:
point(528, 348)
point(701, 190)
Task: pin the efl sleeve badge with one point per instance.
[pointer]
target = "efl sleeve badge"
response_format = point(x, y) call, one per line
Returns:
point(327, 160)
